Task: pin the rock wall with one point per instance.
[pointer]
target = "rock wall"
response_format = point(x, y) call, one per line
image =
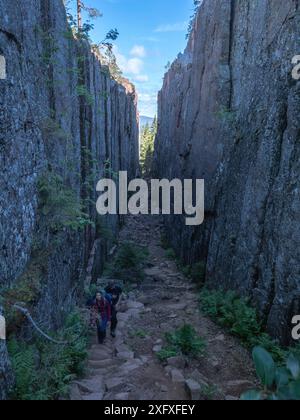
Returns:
point(61, 115)
point(229, 112)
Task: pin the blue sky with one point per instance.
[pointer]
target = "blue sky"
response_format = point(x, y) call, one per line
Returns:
point(152, 33)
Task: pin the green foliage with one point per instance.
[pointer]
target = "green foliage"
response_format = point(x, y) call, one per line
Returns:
point(90, 292)
point(183, 341)
point(278, 383)
point(296, 350)
point(226, 115)
point(170, 254)
point(166, 353)
point(102, 229)
point(234, 313)
point(60, 204)
point(128, 263)
point(147, 147)
point(197, 4)
point(139, 334)
point(51, 128)
point(44, 370)
point(50, 45)
point(196, 272)
point(83, 92)
point(209, 392)
point(164, 241)
point(109, 172)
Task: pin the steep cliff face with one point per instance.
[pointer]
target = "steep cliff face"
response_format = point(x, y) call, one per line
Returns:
point(229, 112)
point(64, 121)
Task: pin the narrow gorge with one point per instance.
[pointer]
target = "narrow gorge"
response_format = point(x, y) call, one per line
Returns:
point(228, 113)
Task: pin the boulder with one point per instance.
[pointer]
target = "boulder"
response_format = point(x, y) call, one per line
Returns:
point(177, 376)
point(194, 389)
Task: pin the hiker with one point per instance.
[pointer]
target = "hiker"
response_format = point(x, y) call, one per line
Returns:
point(116, 295)
point(101, 314)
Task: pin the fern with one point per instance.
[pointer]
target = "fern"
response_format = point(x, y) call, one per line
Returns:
point(236, 314)
point(44, 370)
point(23, 362)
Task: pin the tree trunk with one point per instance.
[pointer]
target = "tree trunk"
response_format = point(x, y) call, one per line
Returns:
point(79, 15)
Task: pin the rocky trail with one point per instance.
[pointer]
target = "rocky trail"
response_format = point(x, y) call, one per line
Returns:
point(127, 368)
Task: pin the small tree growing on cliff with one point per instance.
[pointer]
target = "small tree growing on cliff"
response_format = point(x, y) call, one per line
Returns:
point(197, 4)
point(78, 26)
point(82, 29)
point(92, 12)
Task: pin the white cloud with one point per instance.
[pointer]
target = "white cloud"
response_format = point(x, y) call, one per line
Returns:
point(148, 103)
point(174, 27)
point(138, 51)
point(131, 67)
point(134, 66)
point(142, 78)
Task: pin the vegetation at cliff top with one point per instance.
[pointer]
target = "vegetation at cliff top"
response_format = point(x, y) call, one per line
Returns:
point(43, 370)
point(197, 4)
point(82, 30)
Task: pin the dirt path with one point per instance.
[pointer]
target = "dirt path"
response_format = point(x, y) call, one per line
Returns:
point(127, 368)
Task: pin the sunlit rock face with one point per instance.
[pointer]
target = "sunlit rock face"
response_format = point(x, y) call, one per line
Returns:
point(229, 112)
point(60, 113)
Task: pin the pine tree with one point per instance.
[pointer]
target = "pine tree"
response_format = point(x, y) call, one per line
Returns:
point(147, 147)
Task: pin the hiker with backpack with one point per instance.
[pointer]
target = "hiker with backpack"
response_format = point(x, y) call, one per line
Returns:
point(101, 314)
point(116, 294)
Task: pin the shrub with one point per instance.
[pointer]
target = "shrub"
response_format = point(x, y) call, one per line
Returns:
point(102, 229)
point(170, 254)
point(184, 341)
point(196, 272)
point(83, 92)
point(60, 204)
point(128, 263)
point(278, 383)
point(234, 313)
point(164, 241)
point(44, 370)
point(166, 353)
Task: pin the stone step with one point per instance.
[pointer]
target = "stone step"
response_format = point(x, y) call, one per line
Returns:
point(101, 354)
point(74, 393)
point(93, 385)
point(108, 363)
point(113, 383)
